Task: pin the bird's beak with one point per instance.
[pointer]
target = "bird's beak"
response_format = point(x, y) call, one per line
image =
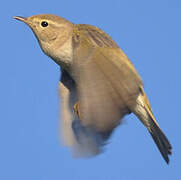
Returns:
point(24, 19)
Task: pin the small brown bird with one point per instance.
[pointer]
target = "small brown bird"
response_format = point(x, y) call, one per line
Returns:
point(99, 84)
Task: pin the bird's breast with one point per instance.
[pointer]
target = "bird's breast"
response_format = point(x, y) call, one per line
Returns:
point(62, 54)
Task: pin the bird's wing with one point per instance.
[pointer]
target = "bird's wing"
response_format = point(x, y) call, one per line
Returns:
point(81, 142)
point(107, 83)
point(68, 98)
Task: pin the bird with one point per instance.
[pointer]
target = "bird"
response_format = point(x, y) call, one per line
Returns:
point(99, 85)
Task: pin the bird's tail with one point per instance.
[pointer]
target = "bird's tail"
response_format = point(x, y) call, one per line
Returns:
point(144, 113)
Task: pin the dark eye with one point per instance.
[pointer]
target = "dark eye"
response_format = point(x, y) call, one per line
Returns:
point(44, 24)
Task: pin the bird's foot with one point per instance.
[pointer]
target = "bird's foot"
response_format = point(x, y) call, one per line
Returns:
point(77, 109)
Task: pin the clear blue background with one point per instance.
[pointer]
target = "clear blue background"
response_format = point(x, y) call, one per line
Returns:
point(150, 34)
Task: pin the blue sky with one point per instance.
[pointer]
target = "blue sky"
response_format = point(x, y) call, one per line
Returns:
point(148, 32)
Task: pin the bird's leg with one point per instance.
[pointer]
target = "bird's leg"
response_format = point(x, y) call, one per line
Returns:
point(77, 109)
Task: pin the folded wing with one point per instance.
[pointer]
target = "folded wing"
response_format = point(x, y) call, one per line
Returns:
point(107, 82)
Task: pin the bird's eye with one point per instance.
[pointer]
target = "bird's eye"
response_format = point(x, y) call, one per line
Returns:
point(44, 24)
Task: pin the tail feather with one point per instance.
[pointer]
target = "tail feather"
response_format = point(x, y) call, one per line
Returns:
point(161, 140)
point(144, 113)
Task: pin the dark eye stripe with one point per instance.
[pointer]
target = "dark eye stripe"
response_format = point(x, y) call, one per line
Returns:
point(44, 24)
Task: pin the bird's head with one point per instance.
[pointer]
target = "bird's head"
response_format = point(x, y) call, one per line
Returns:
point(49, 29)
